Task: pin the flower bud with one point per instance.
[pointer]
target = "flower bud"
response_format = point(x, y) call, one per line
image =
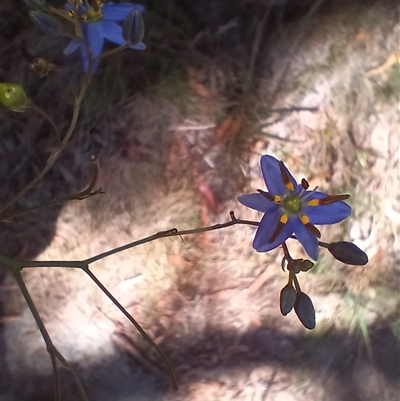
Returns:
point(305, 311)
point(133, 28)
point(42, 67)
point(348, 253)
point(45, 22)
point(13, 97)
point(287, 299)
point(299, 265)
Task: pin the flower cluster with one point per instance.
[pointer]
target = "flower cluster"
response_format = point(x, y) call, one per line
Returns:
point(99, 23)
point(291, 210)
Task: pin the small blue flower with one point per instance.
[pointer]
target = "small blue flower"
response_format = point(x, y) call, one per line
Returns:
point(289, 208)
point(100, 24)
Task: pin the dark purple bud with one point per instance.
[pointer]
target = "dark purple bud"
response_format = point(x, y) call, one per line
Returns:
point(287, 299)
point(348, 253)
point(305, 311)
point(133, 28)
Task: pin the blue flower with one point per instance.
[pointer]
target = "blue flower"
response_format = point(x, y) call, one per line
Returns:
point(100, 24)
point(289, 208)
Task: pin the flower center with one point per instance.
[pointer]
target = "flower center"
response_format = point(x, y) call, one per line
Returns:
point(93, 15)
point(291, 204)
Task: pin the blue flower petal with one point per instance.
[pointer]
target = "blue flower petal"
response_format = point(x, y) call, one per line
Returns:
point(73, 46)
point(113, 32)
point(266, 229)
point(94, 34)
point(118, 12)
point(139, 46)
point(328, 214)
point(257, 202)
point(307, 239)
point(272, 176)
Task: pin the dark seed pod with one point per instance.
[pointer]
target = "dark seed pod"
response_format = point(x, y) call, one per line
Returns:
point(305, 311)
point(133, 28)
point(287, 299)
point(348, 253)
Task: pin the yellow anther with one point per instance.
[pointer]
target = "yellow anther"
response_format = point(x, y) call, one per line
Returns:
point(277, 199)
point(286, 177)
point(282, 221)
point(313, 202)
point(289, 186)
point(305, 220)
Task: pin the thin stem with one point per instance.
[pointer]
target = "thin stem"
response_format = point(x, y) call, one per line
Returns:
point(50, 120)
point(291, 277)
point(113, 51)
point(77, 196)
point(50, 347)
point(320, 243)
point(86, 193)
point(16, 266)
point(81, 264)
point(81, 390)
point(57, 151)
point(46, 337)
point(286, 252)
point(169, 233)
point(145, 336)
point(296, 284)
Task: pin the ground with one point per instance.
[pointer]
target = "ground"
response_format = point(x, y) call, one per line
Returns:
point(324, 99)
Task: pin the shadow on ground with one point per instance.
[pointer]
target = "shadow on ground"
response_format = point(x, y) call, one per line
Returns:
point(264, 359)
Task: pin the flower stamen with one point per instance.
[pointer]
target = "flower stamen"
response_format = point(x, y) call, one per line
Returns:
point(329, 199)
point(282, 221)
point(271, 198)
point(305, 184)
point(310, 228)
point(285, 177)
point(313, 202)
